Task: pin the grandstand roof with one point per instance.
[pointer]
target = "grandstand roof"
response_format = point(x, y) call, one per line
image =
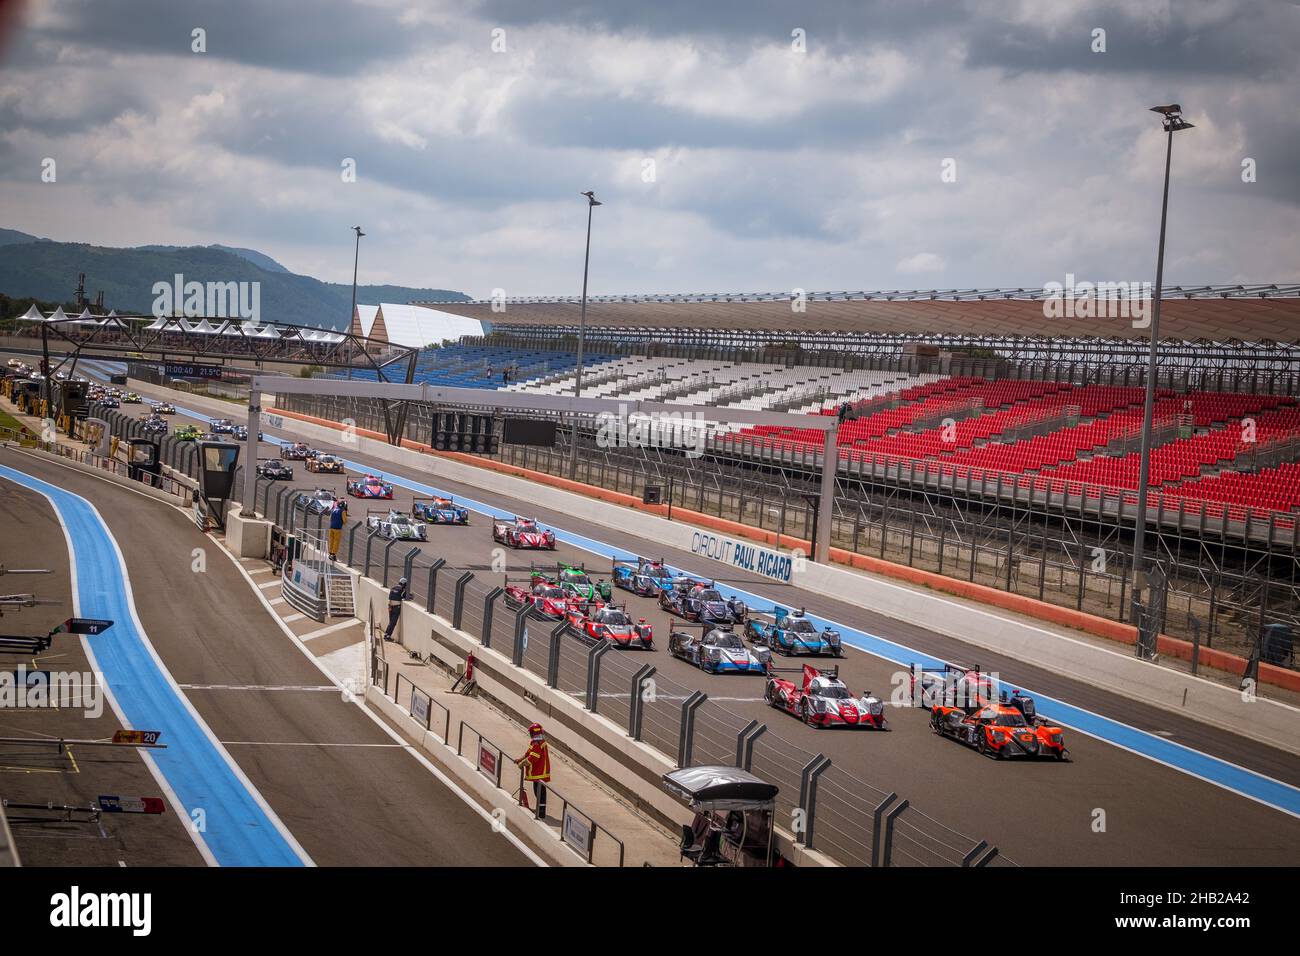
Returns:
point(1210, 313)
point(413, 326)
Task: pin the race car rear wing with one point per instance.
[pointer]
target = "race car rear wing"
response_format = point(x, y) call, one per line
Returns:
point(948, 692)
point(444, 501)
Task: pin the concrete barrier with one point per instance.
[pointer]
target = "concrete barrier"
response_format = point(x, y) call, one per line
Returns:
point(537, 836)
point(107, 475)
point(247, 537)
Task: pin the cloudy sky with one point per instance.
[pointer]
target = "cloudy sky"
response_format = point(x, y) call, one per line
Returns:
point(738, 146)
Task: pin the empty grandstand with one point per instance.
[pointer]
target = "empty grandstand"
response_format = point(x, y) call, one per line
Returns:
point(978, 438)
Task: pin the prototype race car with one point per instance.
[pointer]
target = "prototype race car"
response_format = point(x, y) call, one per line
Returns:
point(164, 408)
point(298, 451)
point(318, 502)
point(700, 601)
point(790, 632)
point(153, 425)
point(953, 685)
point(367, 486)
point(274, 469)
point(823, 700)
point(326, 464)
point(611, 623)
point(574, 577)
point(108, 401)
point(396, 524)
point(718, 651)
point(522, 533)
point(240, 433)
point(1009, 728)
point(439, 510)
point(131, 398)
point(643, 577)
point(548, 600)
point(221, 426)
point(187, 433)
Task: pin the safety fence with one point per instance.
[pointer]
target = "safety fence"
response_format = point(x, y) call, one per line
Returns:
point(829, 809)
point(579, 831)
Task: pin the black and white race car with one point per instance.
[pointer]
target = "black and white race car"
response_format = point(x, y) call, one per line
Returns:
point(274, 469)
point(397, 525)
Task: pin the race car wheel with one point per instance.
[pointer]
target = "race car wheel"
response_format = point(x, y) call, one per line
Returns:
point(769, 694)
point(983, 745)
point(935, 722)
point(805, 712)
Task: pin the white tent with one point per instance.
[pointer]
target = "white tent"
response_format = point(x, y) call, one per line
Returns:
point(32, 315)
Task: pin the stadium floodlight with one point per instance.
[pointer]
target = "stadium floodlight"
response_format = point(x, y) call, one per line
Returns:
point(592, 203)
point(1148, 628)
point(356, 257)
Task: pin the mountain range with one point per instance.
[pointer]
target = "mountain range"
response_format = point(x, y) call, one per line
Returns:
point(48, 270)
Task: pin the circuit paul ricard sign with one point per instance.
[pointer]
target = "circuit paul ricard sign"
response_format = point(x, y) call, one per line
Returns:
point(747, 556)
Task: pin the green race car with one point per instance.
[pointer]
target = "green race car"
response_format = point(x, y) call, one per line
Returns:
point(187, 433)
point(575, 578)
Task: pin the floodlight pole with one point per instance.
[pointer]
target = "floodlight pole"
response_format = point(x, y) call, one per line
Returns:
point(356, 258)
point(1147, 639)
point(592, 203)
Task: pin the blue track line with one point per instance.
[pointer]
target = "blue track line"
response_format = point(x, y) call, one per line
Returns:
point(1241, 780)
point(239, 831)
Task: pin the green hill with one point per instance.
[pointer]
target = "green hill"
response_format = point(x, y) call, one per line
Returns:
point(48, 270)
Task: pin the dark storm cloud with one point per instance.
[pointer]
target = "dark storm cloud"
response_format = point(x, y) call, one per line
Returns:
point(334, 37)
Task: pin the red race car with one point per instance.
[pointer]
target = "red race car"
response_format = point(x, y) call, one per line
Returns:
point(548, 600)
point(611, 623)
point(1009, 728)
point(523, 533)
point(370, 486)
point(823, 700)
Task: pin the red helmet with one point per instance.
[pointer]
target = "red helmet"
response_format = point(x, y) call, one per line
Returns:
point(535, 729)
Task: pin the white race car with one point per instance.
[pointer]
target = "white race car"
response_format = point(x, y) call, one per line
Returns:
point(396, 524)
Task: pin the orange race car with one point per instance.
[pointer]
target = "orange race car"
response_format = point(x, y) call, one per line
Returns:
point(1009, 728)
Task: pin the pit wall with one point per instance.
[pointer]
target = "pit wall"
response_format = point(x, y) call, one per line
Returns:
point(889, 589)
point(632, 768)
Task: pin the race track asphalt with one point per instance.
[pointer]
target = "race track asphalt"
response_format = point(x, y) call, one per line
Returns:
point(340, 784)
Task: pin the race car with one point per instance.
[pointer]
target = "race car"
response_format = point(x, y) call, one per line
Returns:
point(240, 433)
point(574, 577)
point(821, 699)
point(790, 632)
point(164, 408)
point(549, 600)
point(439, 510)
point(298, 451)
point(611, 623)
point(153, 425)
point(522, 533)
point(700, 601)
point(221, 426)
point(1008, 728)
point(325, 463)
point(274, 469)
point(718, 651)
point(108, 401)
point(318, 502)
point(396, 524)
point(646, 578)
point(187, 433)
point(368, 486)
point(952, 685)
point(131, 398)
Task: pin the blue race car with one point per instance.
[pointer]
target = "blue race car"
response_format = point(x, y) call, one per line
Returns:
point(439, 510)
point(700, 601)
point(791, 633)
point(644, 577)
